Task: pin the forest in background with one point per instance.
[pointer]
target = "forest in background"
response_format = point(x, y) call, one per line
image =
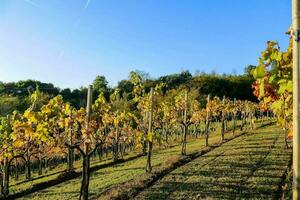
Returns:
point(15, 95)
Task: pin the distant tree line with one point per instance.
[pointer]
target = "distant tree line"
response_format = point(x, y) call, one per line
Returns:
point(15, 95)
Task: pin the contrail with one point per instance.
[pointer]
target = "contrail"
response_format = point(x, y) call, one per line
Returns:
point(32, 3)
point(76, 25)
point(87, 4)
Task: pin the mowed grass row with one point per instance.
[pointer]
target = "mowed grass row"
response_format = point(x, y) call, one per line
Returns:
point(18, 186)
point(248, 167)
point(22, 184)
point(103, 179)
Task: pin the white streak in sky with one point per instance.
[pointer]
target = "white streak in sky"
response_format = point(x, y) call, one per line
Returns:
point(32, 3)
point(87, 4)
point(76, 25)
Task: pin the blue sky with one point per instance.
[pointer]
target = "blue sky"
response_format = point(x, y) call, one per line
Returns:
point(69, 42)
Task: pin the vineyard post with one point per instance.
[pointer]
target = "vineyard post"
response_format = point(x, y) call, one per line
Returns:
point(5, 176)
point(6, 163)
point(150, 140)
point(284, 124)
point(28, 165)
point(146, 117)
point(185, 126)
point(86, 156)
point(70, 150)
point(207, 121)
point(242, 119)
point(116, 145)
point(252, 122)
point(296, 98)
point(234, 116)
point(247, 114)
point(223, 120)
point(40, 160)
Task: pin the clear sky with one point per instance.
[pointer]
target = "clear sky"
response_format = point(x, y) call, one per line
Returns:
point(69, 42)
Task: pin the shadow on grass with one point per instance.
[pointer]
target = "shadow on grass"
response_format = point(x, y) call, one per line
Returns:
point(245, 172)
point(62, 177)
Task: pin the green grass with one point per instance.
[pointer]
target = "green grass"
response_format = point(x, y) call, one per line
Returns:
point(103, 179)
point(248, 167)
point(21, 184)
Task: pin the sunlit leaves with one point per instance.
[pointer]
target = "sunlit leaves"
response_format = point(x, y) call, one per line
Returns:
point(259, 72)
point(274, 84)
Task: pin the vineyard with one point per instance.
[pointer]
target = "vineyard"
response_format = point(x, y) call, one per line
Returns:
point(178, 136)
point(116, 147)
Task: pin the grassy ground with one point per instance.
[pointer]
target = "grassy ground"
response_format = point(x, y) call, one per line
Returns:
point(249, 167)
point(103, 179)
point(21, 184)
point(17, 186)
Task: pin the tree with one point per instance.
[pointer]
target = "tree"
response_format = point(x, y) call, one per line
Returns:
point(20, 137)
point(126, 87)
point(142, 104)
point(81, 129)
point(8, 104)
point(197, 118)
point(165, 119)
point(100, 84)
point(6, 153)
point(89, 136)
point(184, 108)
point(118, 118)
point(60, 118)
point(30, 132)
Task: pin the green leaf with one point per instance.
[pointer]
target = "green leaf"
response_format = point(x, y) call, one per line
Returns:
point(285, 86)
point(277, 105)
point(259, 72)
point(289, 86)
point(261, 89)
point(273, 78)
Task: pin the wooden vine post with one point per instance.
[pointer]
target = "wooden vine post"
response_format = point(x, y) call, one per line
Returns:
point(6, 166)
point(185, 125)
point(247, 113)
point(234, 116)
point(150, 133)
point(40, 159)
point(296, 98)
point(146, 118)
point(86, 156)
point(70, 150)
point(223, 120)
point(6, 177)
point(207, 121)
